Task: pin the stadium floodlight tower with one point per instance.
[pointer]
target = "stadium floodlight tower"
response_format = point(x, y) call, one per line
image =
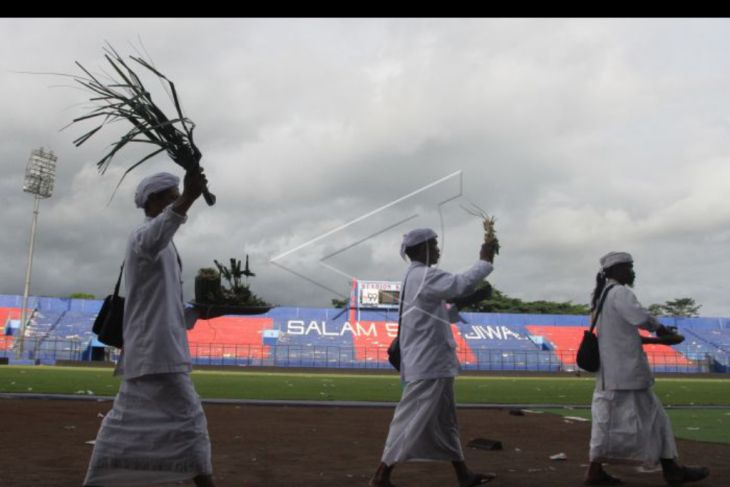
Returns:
point(40, 174)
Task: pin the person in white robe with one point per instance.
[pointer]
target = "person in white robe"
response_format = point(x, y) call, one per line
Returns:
point(629, 423)
point(156, 431)
point(424, 425)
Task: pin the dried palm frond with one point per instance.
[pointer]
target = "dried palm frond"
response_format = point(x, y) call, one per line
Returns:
point(490, 236)
point(126, 98)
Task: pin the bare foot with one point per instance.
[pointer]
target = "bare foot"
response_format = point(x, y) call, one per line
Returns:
point(204, 481)
point(602, 478)
point(380, 483)
point(684, 474)
point(382, 476)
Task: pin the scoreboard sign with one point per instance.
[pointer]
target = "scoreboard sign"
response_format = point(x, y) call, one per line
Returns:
point(378, 294)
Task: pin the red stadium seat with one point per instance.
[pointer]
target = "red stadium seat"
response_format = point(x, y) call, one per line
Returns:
point(230, 336)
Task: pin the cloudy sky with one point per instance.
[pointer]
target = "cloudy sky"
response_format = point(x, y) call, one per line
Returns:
point(325, 140)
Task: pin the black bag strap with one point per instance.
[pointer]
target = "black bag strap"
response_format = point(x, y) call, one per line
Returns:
point(600, 306)
point(119, 281)
point(121, 270)
point(177, 254)
point(402, 298)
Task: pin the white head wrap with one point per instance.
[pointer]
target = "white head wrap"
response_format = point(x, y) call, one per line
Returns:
point(613, 258)
point(415, 237)
point(154, 184)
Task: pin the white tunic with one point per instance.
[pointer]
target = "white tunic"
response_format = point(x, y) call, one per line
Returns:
point(424, 425)
point(428, 349)
point(630, 427)
point(155, 433)
point(623, 361)
point(629, 422)
point(155, 336)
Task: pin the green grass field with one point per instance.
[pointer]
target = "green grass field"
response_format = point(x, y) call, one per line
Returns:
point(690, 424)
point(701, 424)
point(357, 387)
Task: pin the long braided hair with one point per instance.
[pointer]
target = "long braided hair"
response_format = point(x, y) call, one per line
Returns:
point(603, 274)
point(598, 290)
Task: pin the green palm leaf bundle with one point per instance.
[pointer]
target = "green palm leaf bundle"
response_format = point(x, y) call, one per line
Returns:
point(126, 98)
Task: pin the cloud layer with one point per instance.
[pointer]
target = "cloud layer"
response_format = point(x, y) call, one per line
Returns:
point(581, 136)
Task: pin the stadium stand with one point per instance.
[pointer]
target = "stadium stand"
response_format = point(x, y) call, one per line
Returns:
point(312, 337)
point(9, 321)
point(497, 342)
point(564, 340)
point(371, 339)
point(60, 329)
point(718, 338)
point(237, 340)
point(8, 314)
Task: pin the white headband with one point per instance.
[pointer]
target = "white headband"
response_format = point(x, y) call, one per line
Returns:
point(613, 258)
point(154, 184)
point(415, 237)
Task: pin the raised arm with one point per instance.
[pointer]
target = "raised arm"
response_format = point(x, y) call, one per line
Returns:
point(444, 285)
point(157, 233)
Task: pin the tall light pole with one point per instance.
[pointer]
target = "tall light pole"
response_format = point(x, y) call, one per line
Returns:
point(40, 174)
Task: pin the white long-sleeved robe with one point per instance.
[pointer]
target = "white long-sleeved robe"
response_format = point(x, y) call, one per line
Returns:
point(155, 331)
point(426, 341)
point(629, 422)
point(156, 431)
point(424, 425)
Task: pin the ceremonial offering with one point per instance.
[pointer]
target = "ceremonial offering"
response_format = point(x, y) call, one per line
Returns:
point(212, 299)
point(126, 98)
point(490, 236)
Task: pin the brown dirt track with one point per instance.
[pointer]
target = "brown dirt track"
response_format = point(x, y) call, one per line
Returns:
point(42, 444)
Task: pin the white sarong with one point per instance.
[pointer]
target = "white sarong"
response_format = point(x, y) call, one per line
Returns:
point(630, 426)
point(155, 433)
point(424, 425)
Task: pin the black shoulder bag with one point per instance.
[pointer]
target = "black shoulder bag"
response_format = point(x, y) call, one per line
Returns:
point(394, 348)
point(588, 356)
point(108, 323)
